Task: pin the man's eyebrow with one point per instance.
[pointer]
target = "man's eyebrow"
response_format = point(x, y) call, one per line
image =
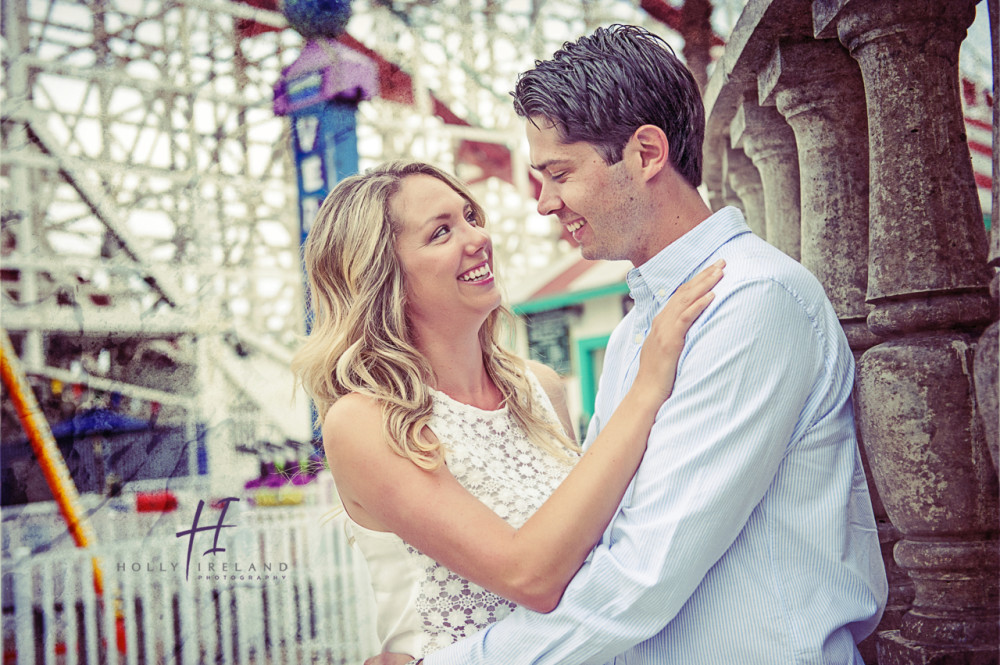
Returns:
point(548, 164)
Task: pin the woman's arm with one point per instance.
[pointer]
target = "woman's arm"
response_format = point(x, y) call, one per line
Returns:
point(431, 511)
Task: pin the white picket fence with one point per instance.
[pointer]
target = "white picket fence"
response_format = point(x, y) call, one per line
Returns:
point(288, 589)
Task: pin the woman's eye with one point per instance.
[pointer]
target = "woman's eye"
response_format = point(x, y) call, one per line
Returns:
point(439, 231)
point(471, 218)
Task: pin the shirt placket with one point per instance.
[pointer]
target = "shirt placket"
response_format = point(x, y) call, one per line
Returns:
point(644, 311)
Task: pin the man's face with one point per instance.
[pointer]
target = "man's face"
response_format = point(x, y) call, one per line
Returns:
point(594, 201)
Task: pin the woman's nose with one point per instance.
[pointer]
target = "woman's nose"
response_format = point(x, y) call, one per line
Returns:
point(476, 239)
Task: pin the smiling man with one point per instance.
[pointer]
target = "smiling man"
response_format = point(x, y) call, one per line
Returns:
point(747, 535)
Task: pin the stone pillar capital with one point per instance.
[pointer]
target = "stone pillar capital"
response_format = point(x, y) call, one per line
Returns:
point(801, 75)
point(761, 131)
point(919, 22)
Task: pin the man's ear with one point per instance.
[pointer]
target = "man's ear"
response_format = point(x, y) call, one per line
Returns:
point(648, 150)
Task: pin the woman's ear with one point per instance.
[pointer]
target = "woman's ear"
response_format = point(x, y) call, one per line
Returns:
point(648, 150)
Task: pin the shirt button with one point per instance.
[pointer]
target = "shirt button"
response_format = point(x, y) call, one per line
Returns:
point(638, 338)
point(661, 293)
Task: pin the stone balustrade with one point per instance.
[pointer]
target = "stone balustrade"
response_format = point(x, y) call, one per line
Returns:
point(850, 112)
point(743, 183)
point(769, 142)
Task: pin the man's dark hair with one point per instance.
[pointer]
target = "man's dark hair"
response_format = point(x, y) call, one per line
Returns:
point(602, 87)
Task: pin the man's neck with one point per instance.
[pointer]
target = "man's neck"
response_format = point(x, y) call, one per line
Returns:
point(676, 209)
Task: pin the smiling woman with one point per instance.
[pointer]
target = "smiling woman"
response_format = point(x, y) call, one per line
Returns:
point(450, 454)
point(446, 256)
point(367, 305)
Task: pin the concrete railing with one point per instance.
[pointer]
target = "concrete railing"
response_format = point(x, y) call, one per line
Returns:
point(837, 126)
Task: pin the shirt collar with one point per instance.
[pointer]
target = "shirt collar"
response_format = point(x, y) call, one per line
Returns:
point(660, 276)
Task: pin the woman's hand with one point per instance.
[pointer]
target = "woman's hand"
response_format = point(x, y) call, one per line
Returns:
point(387, 658)
point(663, 346)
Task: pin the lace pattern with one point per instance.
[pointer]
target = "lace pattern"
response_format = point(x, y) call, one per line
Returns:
point(491, 456)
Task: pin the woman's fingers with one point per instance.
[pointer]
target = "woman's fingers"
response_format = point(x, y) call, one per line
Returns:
point(703, 281)
point(665, 341)
point(694, 310)
point(689, 300)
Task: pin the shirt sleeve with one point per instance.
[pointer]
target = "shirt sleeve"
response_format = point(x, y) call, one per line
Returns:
point(749, 365)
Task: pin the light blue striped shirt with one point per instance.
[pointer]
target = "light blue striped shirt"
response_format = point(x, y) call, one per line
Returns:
point(747, 535)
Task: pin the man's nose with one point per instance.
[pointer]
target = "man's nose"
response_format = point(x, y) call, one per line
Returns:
point(548, 199)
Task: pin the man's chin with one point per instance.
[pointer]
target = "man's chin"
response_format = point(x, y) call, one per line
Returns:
point(590, 252)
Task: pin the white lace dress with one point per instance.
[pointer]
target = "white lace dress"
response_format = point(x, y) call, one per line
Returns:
point(421, 605)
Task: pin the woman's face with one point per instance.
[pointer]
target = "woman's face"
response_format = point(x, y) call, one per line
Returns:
point(447, 258)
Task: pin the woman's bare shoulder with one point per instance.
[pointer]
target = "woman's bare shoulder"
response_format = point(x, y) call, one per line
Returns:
point(363, 466)
point(353, 404)
point(352, 419)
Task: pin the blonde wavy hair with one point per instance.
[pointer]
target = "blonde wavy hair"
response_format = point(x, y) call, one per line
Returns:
point(361, 340)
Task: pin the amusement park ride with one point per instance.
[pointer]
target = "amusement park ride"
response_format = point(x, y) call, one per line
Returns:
point(161, 160)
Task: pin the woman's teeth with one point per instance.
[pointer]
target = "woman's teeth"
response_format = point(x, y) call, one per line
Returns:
point(479, 273)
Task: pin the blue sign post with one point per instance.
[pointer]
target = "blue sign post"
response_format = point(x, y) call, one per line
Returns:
point(321, 91)
point(326, 151)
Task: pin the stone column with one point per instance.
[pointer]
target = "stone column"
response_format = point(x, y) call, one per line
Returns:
point(817, 87)
point(928, 282)
point(729, 197)
point(768, 140)
point(743, 179)
point(987, 361)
